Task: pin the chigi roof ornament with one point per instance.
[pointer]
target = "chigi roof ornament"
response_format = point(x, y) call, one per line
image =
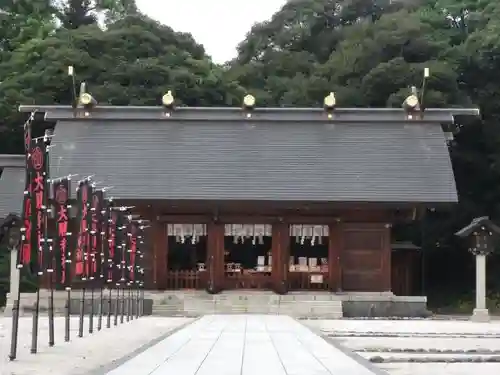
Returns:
point(248, 104)
point(168, 102)
point(86, 100)
point(413, 104)
point(329, 103)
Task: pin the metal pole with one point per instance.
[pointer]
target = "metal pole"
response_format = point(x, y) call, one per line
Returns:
point(91, 312)
point(36, 312)
point(142, 303)
point(132, 302)
point(108, 320)
point(82, 313)
point(127, 305)
point(101, 303)
point(122, 305)
point(67, 317)
point(48, 247)
point(137, 307)
point(116, 305)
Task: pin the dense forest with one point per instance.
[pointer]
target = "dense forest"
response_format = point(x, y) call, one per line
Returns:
point(368, 51)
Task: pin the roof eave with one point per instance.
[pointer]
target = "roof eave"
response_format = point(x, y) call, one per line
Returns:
point(157, 113)
point(483, 221)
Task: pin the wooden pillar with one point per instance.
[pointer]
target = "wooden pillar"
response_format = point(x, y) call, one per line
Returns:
point(386, 259)
point(215, 254)
point(280, 251)
point(335, 256)
point(160, 249)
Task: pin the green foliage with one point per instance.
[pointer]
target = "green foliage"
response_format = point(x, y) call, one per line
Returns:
point(134, 61)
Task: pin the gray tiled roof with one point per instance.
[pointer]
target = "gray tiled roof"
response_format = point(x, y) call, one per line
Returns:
point(353, 162)
point(11, 184)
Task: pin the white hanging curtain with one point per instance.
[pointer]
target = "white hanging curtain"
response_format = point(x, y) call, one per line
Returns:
point(187, 232)
point(315, 233)
point(240, 232)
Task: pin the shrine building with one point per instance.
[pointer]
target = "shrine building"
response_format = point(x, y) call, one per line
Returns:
point(279, 199)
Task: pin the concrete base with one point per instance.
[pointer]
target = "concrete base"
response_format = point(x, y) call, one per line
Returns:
point(7, 311)
point(357, 305)
point(480, 316)
point(60, 299)
point(309, 305)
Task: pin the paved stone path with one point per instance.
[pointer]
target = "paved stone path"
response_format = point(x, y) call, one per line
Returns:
point(243, 345)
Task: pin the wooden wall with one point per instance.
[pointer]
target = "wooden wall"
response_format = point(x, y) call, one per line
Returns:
point(406, 266)
point(359, 252)
point(359, 247)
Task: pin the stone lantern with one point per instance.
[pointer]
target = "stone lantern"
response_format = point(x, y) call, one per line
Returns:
point(481, 231)
point(10, 230)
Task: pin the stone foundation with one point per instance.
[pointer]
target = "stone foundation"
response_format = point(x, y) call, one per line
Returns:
point(373, 306)
point(312, 305)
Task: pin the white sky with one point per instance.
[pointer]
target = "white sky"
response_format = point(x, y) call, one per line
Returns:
point(217, 24)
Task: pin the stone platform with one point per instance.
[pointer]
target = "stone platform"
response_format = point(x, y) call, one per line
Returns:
point(311, 305)
point(243, 344)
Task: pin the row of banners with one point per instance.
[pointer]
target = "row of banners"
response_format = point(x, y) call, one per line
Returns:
point(104, 244)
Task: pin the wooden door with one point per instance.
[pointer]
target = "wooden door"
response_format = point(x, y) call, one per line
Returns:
point(365, 259)
point(215, 257)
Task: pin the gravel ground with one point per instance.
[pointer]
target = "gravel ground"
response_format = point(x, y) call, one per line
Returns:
point(80, 355)
point(418, 347)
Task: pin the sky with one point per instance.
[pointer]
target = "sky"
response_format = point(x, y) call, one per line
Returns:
point(220, 25)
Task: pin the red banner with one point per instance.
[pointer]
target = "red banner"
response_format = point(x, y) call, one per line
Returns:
point(113, 260)
point(24, 257)
point(95, 235)
point(62, 250)
point(83, 238)
point(38, 172)
point(132, 251)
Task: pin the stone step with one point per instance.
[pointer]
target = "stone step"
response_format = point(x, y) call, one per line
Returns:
point(309, 309)
point(300, 305)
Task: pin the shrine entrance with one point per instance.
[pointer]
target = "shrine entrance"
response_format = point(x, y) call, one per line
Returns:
point(247, 256)
point(309, 258)
point(187, 256)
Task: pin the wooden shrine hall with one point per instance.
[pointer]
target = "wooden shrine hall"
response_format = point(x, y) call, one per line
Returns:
point(279, 199)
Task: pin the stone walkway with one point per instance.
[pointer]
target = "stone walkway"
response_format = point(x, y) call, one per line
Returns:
point(243, 345)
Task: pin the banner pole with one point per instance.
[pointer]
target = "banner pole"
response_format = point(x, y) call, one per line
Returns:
point(91, 311)
point(101, 304)
point(24, 250)
point(82, 312)
point(67, 315)
point(38, 221)
point(117, 304)
point(34, 325)
point(110, 296)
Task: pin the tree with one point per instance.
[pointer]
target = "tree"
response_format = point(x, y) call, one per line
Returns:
point(133, 61)
point(76, 13)
point(297, 44)
point(24, 20)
